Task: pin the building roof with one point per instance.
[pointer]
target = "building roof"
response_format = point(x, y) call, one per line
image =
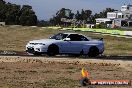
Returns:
point(120, 19)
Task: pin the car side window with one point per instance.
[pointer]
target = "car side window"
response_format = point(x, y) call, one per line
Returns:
point(83, 38)
point(76, 37)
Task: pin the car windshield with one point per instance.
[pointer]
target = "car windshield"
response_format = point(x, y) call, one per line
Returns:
point(59, 36)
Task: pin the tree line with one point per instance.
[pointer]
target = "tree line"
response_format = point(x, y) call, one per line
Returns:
point(83, 15)
point(13, 14)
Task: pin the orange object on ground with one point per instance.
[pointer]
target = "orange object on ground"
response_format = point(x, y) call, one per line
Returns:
point(84, 73)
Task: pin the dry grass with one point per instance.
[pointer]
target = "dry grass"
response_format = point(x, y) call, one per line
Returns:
point(14, 38)
point(34, 73)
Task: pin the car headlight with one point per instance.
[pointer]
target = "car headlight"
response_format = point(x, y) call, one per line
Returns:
point(37, 44)
point(41, 44)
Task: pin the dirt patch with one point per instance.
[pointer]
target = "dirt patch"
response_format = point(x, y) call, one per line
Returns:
point(42, 72)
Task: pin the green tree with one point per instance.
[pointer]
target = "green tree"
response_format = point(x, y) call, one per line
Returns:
point(12, 13)
point(27, 16)
point(84, 15)
point(62, 13)
point(77, 15)
point(2, 10)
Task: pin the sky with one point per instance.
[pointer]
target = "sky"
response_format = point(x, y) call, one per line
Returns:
point(45, 9)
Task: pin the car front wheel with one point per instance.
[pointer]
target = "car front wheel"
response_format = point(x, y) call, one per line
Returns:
point(37, 53)
point(93, 52)
point(53, 50)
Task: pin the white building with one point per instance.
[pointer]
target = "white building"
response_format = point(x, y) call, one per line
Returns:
point(126, 8)
point(125, 12)
point(112, 15)
point(103, 20)
point(122, 17)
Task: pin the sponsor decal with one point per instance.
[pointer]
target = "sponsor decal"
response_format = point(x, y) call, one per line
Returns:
point(86, 81)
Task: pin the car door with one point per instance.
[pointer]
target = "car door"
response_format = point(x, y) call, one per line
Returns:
point(76, 43)
point(64, 46)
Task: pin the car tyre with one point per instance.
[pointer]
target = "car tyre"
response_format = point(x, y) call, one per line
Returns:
point(93, 52)
point(53, 50)
point(37, 54)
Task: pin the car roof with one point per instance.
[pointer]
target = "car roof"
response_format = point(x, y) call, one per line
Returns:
point(76, 33)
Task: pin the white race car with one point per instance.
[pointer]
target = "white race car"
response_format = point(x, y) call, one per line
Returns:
point(66, 43)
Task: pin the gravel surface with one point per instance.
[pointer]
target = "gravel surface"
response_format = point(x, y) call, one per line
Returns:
point(59, 72)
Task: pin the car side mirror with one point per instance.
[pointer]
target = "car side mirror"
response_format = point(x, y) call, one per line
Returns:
point(67, 39)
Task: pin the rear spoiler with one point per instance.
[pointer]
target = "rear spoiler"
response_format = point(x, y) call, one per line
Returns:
point(101, 39)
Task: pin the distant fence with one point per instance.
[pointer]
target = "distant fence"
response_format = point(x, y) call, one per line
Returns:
point(54, 27)
point(102, 31)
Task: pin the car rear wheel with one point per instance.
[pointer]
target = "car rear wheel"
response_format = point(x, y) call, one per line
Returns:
point(53, 50)
point(93, 52)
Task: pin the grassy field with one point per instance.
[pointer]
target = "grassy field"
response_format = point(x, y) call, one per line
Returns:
point(14, 38)
point(58, 72)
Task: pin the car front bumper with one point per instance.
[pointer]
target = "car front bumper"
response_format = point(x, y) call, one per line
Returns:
point(33, 49)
